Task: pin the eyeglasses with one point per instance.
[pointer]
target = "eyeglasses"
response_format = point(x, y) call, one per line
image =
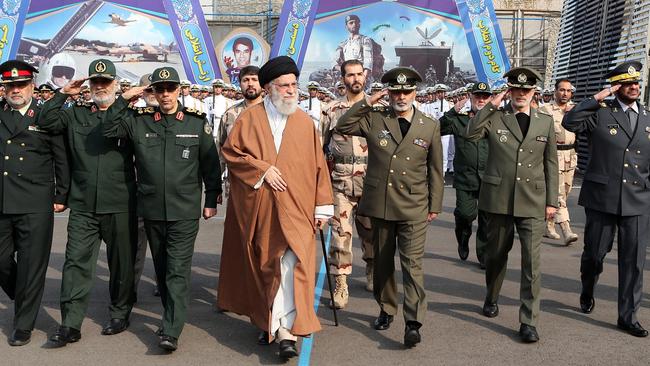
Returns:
point(159, 89)
point(63, 72)
point(286, 86)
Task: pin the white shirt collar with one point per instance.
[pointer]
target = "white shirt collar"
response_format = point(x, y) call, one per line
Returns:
point(624, 107)
point(24, 109)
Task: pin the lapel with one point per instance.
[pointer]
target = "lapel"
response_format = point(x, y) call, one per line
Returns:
point(5, 131)
point(642, 123)
point(25, 121)
point(415, 125)
point(510, 121)
point(391, 123)
point(621, 118)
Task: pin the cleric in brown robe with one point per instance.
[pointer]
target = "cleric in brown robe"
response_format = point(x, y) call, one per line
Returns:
point(280, 193)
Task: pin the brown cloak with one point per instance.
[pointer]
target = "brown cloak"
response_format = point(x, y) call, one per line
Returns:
point(260, 224)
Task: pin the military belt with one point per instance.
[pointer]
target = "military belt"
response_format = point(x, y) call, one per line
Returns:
point(561, 147)
point(350, 159)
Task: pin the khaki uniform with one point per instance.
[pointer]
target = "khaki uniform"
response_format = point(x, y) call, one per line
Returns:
point(348, 157)
point(567, 159)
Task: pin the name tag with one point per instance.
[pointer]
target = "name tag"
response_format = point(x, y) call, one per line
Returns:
point(613, 126)
point(150, 135)
point(541, 139)
point(421, 143)
point(503, 132)
point(34, 128)
point(189, 136)
point(186, 153)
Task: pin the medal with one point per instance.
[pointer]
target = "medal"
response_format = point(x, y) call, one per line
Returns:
point(186, 153)
point(383, 142)
point(613, 131)
point(503, 138)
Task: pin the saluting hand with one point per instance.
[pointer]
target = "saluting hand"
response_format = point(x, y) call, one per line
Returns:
point(208, 212)
point(550, 212)
point(274, 179)
point(135, 91)
point(497, 99)
point(606, 92)
point(73, 87)
point(460, 104)
point(377, 97)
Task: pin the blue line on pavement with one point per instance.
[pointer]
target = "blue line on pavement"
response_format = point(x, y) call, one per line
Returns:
point(307, 343)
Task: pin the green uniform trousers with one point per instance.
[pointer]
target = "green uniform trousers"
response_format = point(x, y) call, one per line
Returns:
point(501, 232)
point(466, 212)
point(30, 237)
point(86, 230)
point(409, 238)
point(172, 247)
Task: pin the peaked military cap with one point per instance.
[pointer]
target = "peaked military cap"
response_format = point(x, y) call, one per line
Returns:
point(165, 75)
point(313, 85)
point(522, 77)
point(547, 92)
point(125, 82)
point(440, 87)
point(101, 68)
point(376, 86)
point(401, 78)
point(218, 83)
point(45, 87)
point(627, 72)
point(16, 70)
point(480, 87)
point(145, 80)
point(339, 85)
point(185, 83)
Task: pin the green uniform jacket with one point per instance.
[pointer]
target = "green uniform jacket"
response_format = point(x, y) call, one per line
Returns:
point(404, 175)
point(470, 158)
point(521, 177)
point(103, 172)
point(31, 160)
point(173, 154)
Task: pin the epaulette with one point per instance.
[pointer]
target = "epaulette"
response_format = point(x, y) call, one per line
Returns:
point(194, 112)
point(543, 111)
point(144, 110)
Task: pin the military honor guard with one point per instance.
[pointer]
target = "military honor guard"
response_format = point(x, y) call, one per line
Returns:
point(101, 201)
point(402, 192)
point(518, 191)
point(34, 184)
point(348, 157)
point(615, 191)
point(175, 158)
point(469, 164)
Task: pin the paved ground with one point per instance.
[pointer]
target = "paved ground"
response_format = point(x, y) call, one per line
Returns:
point(455, 333)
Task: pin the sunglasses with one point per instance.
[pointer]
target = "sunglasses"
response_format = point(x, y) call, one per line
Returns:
point(63, 72)
point(165, 88)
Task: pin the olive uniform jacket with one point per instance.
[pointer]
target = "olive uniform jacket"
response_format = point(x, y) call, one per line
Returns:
point(103, 172)
point(174, 155)
point(32, 159)
point(404, 175)
point(470, 158)
point(521, 177)
point(617, 177)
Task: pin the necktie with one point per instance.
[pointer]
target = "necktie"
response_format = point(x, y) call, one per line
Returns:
point(633, 117)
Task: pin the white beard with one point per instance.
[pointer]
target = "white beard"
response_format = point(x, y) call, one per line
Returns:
point(284, 106)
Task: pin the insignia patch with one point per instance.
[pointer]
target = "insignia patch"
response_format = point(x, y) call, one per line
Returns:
point(384, 134)
point(522, 78)
point(150, 135)
point(482, 86)
point(93, 109)
point(30, 113)
point(631, 70)
point(207, 129)
point(401, 79)
point(179, 116)
point(100, 67)
point(383, 142)
point(613, 131)
point(502, 132)
point(421, 143)
point(503, 139)
point(186, 153)
point(541, 139)
point(157, 116)
point(164, 74)
point(14, 72)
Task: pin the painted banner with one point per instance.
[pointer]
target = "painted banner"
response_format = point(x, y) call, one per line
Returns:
point(12, 16)
point(427, 35)
point(62, 37)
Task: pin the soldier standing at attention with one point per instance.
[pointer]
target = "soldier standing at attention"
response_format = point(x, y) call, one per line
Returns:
point(175, 156)
point(518, 190)
point(101, 201)
point(29, 193)
point(567, 159)
point(469, 165)
point(615, 191)
point(348, 156)
point(402, 192)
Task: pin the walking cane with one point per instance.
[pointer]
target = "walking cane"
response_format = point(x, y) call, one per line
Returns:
point(329, 280)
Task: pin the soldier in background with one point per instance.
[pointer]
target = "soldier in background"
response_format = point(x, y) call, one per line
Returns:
point(312, 106)
point(185, 96)
point(46, 93)
point(348, 157)
point(356, 46)
point(125, 84)
point(340, 89)
point(566, 157)
point(438, 107)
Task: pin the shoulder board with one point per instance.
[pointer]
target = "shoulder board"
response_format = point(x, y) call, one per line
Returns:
point(144, 110)
point(544, 112)
point(193, 112)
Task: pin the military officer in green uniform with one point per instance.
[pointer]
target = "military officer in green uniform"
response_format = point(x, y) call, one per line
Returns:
point(175, 156)
point(518, 190)
point(29, 193)
point(402, 192)
point(101, 201)
point(469, 164)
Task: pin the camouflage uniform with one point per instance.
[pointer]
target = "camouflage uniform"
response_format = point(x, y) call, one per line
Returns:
point(227, 122)
point(567, 161)
point(347, 158)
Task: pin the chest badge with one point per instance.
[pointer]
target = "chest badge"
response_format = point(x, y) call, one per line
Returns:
point(503, 138)
point(384, 134)
point(383, 142)
point(613, 131)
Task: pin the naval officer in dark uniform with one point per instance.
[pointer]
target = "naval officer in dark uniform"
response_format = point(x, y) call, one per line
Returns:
point(402, 192)
point(616, 189)
point(34, 183)
point(175, 157)
point(518, 190)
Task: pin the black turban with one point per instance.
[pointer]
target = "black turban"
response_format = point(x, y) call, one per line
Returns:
point(277, 67)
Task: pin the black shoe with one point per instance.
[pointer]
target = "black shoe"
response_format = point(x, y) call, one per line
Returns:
point(20, 337)
point(634, 329)
point(587, 303)
point(64, 335)
point(168, 343)
point(288, 349)
point(115, 326)
point(462, 238)
point(490, 309)
point(481, 262)
point(528, 333)
point(263, 339)
point(383, 321)
point(412, 334)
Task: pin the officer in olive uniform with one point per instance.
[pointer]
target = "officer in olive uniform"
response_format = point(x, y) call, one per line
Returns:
point(175, 153)
point(519, 190)
point(102, 205)
point(402, 192)
point(615, 191)
point(29, 193)
point(469, 164)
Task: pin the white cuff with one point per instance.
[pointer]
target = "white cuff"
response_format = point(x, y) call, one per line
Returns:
point(324, 212)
